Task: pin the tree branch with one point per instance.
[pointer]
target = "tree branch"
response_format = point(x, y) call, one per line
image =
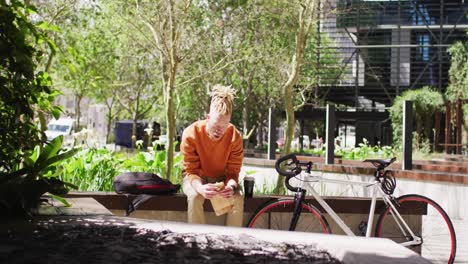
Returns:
point(213, 69)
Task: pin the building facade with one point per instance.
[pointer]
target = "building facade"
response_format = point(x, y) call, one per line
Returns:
point(381, 49)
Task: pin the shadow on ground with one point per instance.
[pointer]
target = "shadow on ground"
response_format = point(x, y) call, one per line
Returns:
point(89, 241)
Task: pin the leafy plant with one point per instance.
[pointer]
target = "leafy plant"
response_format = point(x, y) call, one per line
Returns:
point(365, 151)
point(26, 161)
point(95, 169)
point(362, 152)
point(155, 161)
point(316, 151)
point(25, 90)
point(34, 177)
point(91, 170)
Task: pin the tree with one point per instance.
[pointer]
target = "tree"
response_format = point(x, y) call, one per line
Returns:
point(307, 16)
point(177, 30)
point(136, 93)
point(458, 73)
point(425, 101)
point(55, 14)
point(105, 71)
point(167, 25)
point(87, 37)
point(73, 69)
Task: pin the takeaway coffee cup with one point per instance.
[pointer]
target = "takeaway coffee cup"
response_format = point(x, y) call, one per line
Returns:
point(249, 183)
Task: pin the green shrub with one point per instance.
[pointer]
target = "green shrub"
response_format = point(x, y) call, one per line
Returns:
point(362, 152)
point(95, 169)
point(365, 151)
point(26, 96)
point(91, 170)
point(425, 101)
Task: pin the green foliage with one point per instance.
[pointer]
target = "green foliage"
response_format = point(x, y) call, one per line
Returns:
point(365, 151)
point(90, 170)
point(458, 87)
point(321, 72)
point(22, 189)
point(25, 90)
point(155, 162)
point(42, 160)
point(26, 98)
point(95, 169)
point(362, 152)
point(315, 151)
point(458, 73)
point(423, 146)
point(425, 101)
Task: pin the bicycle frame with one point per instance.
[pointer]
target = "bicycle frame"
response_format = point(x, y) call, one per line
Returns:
point(376, 189)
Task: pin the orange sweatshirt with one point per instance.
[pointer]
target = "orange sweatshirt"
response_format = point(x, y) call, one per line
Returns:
point(206, 157)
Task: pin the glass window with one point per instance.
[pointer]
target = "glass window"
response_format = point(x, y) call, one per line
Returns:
point(422, 52)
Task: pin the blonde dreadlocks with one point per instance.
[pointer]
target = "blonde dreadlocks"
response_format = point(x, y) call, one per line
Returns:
point(222, 99)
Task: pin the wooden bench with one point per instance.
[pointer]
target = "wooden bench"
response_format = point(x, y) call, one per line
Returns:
point(178, 202)
point(174, 208)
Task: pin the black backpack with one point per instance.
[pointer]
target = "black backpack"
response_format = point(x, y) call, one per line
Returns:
point(145, 185)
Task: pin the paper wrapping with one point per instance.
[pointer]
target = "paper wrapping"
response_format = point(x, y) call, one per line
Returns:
point(222, 205)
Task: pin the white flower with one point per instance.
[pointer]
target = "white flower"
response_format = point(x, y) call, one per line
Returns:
point(139, 143)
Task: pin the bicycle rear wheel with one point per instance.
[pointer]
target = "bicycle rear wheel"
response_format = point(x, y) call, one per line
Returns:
point(277, 215)
point(435, 228)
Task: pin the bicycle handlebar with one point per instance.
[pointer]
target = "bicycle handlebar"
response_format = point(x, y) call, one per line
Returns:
point(294, 171)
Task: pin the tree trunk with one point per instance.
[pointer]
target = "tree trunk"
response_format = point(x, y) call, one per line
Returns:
point(109, 123)
point(78, 99)
point(134, 130)
point(169, 88)
point(260, 133)
point(170, 120)
point(245, 123)
point(306, 17)
point(135, 120)
point(109, 117)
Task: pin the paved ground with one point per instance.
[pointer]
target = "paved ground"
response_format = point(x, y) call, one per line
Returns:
point(461, 228)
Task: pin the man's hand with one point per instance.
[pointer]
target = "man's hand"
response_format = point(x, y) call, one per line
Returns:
point(227, 192)
point(206, 190)
point(210, 190)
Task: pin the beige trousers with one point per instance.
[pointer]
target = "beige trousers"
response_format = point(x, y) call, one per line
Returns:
point(195, 201)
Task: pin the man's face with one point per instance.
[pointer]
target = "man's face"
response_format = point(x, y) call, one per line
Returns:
point(217, 124)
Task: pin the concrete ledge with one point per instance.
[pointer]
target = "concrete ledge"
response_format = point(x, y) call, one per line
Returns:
point(131, 236)
point(84, 205)
point(345, 248)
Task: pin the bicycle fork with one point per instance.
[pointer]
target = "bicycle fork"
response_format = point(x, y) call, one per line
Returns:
point(298, 200)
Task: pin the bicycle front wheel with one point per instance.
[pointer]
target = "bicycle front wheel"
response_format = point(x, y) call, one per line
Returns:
point(277, 215)
point(438, 240)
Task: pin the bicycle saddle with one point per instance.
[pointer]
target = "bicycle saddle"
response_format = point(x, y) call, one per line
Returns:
point(380, 162)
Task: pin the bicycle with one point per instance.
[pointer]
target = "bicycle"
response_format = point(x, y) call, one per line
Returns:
point(394, 222)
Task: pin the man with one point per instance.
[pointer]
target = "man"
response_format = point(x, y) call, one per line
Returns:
point(213, 152)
